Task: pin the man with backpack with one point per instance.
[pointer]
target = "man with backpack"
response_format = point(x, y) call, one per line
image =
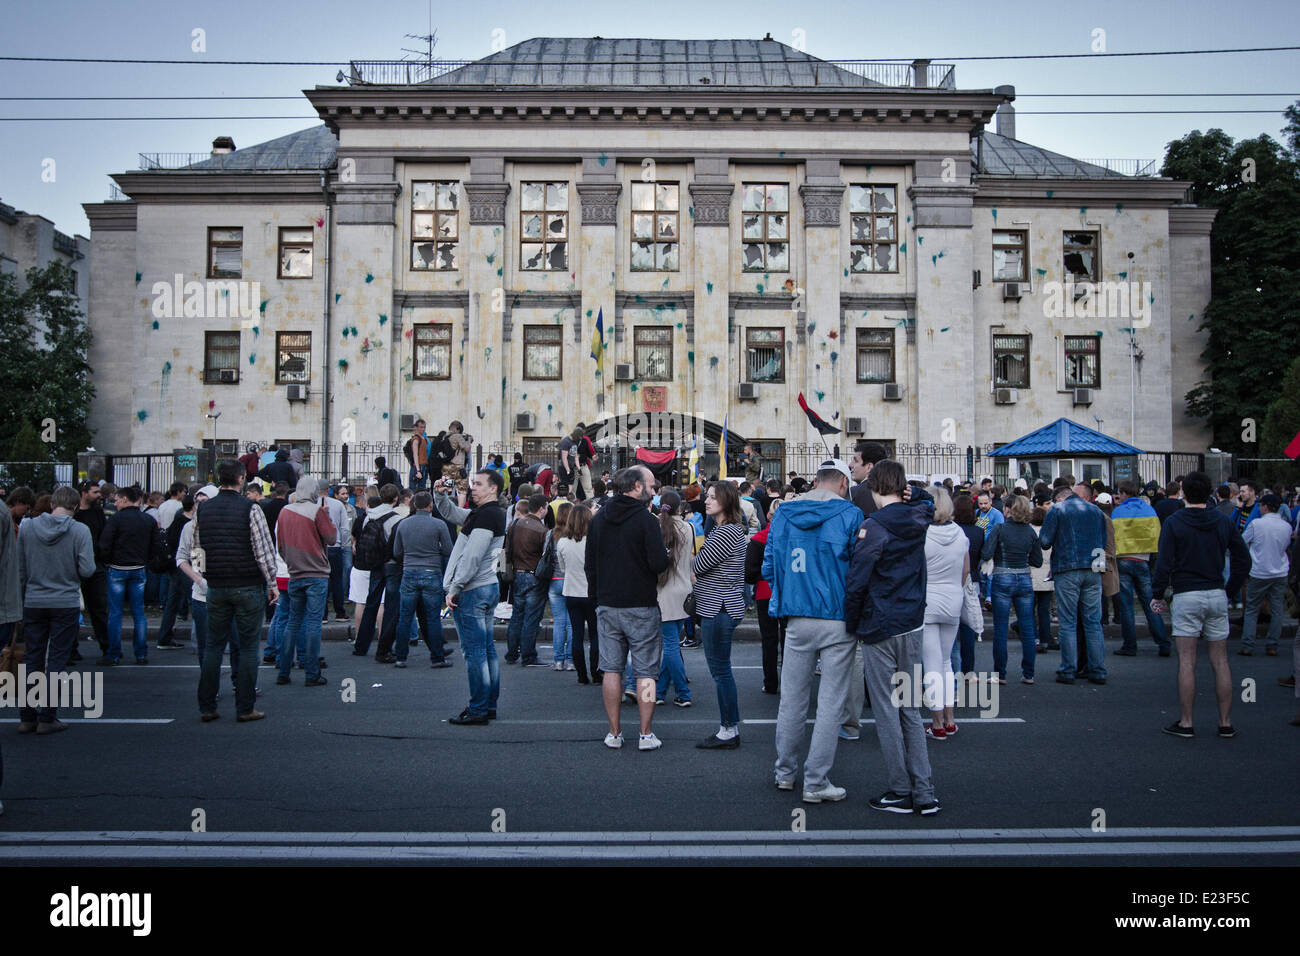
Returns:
point(384, 475)
point(417, 451)
point(374, 553)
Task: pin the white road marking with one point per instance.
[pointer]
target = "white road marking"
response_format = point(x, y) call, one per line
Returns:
point(103, 720)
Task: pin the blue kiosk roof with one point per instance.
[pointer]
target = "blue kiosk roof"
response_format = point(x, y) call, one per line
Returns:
point(1064, 437)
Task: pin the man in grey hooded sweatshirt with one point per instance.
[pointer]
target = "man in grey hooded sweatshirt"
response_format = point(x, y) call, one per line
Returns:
point(54, 553)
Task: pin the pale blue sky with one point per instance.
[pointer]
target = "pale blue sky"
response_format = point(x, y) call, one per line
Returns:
point(85, 153)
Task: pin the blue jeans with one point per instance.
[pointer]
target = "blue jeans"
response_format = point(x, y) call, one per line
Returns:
point(422, 585)
point(419, 478)
point(473, 616)
point(126, 586)
point(715, 633)
point(279, 624)
point(199, 617)
point(963, 650)
point(306, 604)
point(1074, 588)
point(1135, 576)
point(177, 589)
point(340, 572)
point(561, 629)
point(1017, 588)
point(245, 607)
point(526, 614)
point(673, 670)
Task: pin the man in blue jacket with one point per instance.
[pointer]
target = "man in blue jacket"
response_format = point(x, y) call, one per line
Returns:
point(1075, 530)
point(806, 559)
point(884, 605)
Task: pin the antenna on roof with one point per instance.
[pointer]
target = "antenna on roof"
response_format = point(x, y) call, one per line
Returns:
point(430, 41)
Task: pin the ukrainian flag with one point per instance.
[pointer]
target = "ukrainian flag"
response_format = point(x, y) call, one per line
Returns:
point(722, 450)
point(598, 342)
point(693, 463)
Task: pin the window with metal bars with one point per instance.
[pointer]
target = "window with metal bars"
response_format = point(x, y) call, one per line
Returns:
point(432, 361)
point(765, 227)
point(1083, 361)
point(655, 227)
point(543, 352)
point(544, 227)
point(220, 358)
point(765, 355)
point(292, 358)
point(225, 252)
point(873, 225)
point(1011, 361)
point(875, 355)
point(653, 353)
point(435, 226)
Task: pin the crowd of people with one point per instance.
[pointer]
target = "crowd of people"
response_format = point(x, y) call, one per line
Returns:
point(856, 578)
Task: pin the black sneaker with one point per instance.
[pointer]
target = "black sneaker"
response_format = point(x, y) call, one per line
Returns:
point(168, 645)
point(269, 659)
point(492, 715)
point(321, 662)
point(929, 809)
point(1124, 652)
point(892, 802)
point(440, 664)
point(317, 681)
point(1096, 680)
point(1229, 731)
point(536, 663)
point(1062, 679)
point(282, 679)
point(465, 717)
point(142, 660)
point(1178, 730)
point(510, 660)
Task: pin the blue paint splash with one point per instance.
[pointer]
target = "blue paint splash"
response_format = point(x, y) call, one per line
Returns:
point(820, 395)
point(995, 214)
point(252, 358)
point(382, 318)
point(713, 362)
point(835, 357)
point(141, 415)
point(945, 328)
point(337, 296)
point(709, 287)
point(370, 277)
point(385, 414)
point(155, 325)
point(138, 277)
point(934, 260)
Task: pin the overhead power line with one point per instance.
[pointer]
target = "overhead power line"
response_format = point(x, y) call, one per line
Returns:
point(232, 98)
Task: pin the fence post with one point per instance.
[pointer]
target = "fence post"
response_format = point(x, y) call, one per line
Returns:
point(344, 463)
point(1169, 467)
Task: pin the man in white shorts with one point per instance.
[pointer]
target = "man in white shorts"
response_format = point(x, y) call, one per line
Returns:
point(1194, 543)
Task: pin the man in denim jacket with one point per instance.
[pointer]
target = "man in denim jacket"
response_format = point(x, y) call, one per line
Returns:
point(1075, 530)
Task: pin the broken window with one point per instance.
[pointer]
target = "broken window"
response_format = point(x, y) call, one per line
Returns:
point(295, 253)
point(543, 352)
point(1081, 260)
point(1083, 361)
point(653, 353)
point(765, 355)
point(292, 358)
point(875, 355)
point(873, 229)
point(1011, 361)
point(655, 231)
point(225, 253)
point(220, 358)
point(432, 358)
point(435, 226)
point(1010, 256)
point(544, 227)
point(765, 227)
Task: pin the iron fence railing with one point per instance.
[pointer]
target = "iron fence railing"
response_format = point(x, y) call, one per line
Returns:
point(1128, 167)
point(40, 476)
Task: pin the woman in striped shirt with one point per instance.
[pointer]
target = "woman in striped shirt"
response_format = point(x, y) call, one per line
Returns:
point(719, 572)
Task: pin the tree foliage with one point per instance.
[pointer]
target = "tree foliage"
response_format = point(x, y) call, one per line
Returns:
point(1281, 425)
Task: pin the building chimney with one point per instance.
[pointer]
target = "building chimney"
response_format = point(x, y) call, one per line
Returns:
point(222, 145)
point(1006, 113)
point(921, 73)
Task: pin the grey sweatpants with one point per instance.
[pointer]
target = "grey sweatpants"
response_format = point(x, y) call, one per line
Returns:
point(900, 729)
point(851, 713)
point(805, 639)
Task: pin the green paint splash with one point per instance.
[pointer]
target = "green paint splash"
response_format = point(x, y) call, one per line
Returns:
point(820, 395)
point(709, 287)
point(252, 358)
point(141, 415)
point(383, 319)
point(370, 277)
point(155, 325)
point(343, 365)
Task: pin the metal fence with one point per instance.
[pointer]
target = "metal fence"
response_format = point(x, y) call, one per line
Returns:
point(40, 476)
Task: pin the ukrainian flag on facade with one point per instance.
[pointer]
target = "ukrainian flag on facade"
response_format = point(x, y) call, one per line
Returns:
point(693, 462)
point(598, 342)
point(722, 450)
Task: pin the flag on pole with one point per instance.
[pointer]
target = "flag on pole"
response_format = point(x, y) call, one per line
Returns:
point(722, 450)
point(598, 342)
point(693, 462)
point(823, 427)
point(1293, 450)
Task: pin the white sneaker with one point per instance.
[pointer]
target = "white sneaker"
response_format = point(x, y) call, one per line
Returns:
point(784, 784)
point(568, 666)
point(613, 742)
point(557, 666)
point(649, 742)
point(827, 794)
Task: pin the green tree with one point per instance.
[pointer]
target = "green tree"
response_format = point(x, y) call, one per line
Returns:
point(46, 374)
point(1252, 317)
point(25, 464)
point(1281, 425)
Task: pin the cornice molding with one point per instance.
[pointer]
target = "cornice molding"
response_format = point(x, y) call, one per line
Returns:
point(599, 203)
point(111, 216)
point(182, 186)
point(821, 205)
point(1146, 193)
point(1191, 220)
point(712, 203)
point(487, 203)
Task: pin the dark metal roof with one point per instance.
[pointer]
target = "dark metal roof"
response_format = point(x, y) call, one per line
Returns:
point(306, 149)
point(647, 63)
point(1064, 437)
point(1003, 156)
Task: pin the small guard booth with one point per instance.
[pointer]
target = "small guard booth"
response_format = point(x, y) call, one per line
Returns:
point(1066, 448)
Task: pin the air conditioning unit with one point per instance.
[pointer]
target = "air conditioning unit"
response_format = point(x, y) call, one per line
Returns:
point(525, 422)
point(854, 426)
point(893, 392)
point(230, 375)
point(623, 373)
point(747, 392)
point(1012, 290)
point(408, 423)
point(1083, 396)
point(297, 393)
point(1005, 396)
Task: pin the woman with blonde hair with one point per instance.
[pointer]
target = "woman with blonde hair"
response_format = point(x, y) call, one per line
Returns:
point(947, 568)
point(1014, 549)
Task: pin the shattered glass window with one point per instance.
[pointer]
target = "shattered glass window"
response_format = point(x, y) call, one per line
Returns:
point(295, 253)
point(765, 355)
point(432, 358)
point(765, 227)
point(875, 355)
point(225, 253)
point(435, 226)
point(1009, 256)
point(543, 351)
point(654, 227)
point(292, 358)
point(1081, 255)
point(1011, 361)
point(873, 229)
point(1083, 361)
point(653, 353)
point(544, 227)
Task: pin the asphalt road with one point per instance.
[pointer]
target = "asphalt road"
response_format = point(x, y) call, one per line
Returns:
point(386, 779)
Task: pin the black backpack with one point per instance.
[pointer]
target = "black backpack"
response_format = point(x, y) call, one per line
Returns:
point(442, 449)
point(374, 548)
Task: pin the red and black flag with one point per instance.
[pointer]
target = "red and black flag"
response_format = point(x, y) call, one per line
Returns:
point(823, 427)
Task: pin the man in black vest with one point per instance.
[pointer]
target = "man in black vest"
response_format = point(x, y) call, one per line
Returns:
point(239, 567)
